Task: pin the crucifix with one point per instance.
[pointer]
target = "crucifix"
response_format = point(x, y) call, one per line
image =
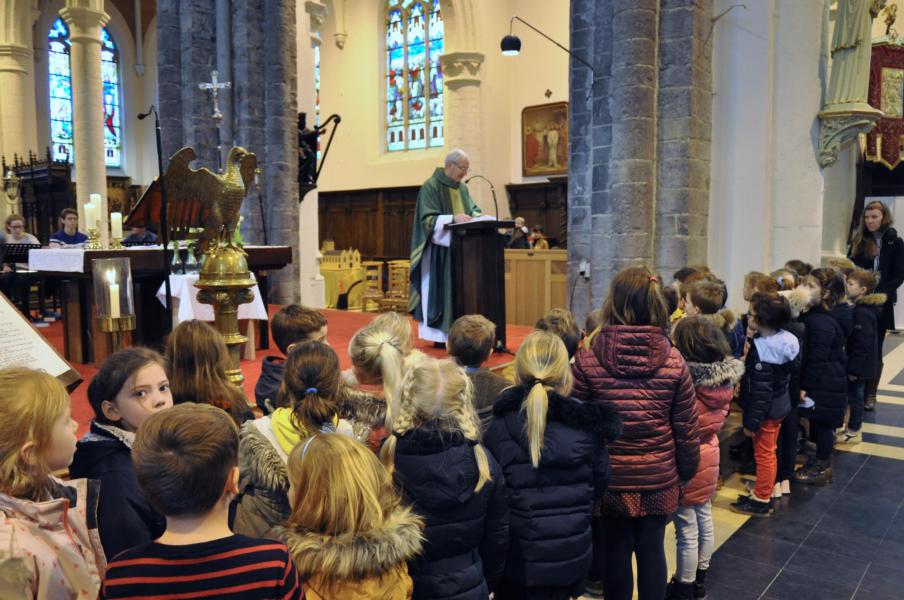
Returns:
point(214, 86)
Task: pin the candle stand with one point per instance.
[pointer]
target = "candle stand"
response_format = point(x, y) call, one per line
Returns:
point(113, 299)
point(93, 239)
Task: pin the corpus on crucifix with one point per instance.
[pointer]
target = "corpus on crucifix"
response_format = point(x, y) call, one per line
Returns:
point(214, 86)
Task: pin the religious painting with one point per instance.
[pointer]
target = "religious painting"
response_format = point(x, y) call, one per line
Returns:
point(885, 142)
point(544, 140)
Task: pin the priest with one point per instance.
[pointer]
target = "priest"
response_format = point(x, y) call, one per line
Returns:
point(443, 199)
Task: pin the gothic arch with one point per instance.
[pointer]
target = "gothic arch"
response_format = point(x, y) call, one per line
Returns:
point(461, 25)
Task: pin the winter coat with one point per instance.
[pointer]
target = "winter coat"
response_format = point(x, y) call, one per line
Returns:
point(824, 370)
point(844, 314)
point(800, 332)
point(51, 549)
point(770, 363)
point(725, 320)
point(487, 387)
point(713, 388)
point(891, 273)
point(272, 370)
point(125, 518)
point(550, 506)
point(862, 346)
point(636, 370)
point(364, 566)
point(738, 337)
point(467, 530)
point(366, 413)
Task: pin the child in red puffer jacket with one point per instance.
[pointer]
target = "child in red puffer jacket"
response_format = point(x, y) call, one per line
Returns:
point(714, 372)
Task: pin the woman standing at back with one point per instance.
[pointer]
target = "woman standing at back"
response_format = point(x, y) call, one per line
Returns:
point(877, 247)
point(632, 367)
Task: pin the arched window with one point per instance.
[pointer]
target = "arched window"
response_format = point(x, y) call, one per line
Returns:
point(414, 76)
point(60, 74)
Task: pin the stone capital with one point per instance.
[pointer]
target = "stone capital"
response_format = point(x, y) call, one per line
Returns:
point(317, 14)
point(84, 23)
point(15, 57)
point(461, 69)
point(841, 124)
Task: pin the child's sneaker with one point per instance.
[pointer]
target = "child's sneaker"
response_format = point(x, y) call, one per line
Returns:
point(679, 591)
point(786, 487)
point(700, 585)
point(777, 490)
point(850, 437)
point(746, 505)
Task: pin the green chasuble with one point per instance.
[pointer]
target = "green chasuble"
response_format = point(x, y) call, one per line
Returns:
point(438, 196)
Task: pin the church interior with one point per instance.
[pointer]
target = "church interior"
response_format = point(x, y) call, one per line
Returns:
point(228, 160)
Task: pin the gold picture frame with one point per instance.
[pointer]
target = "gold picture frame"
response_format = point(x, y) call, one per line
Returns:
point(543, 126)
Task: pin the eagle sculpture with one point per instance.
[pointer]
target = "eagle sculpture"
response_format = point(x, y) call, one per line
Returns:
point(199, 198)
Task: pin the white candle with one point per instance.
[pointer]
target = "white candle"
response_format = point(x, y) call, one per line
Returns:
point(114, 300)
point(116, 225)
point(90, 216)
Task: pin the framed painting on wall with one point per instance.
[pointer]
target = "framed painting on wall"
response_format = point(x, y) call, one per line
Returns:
point(544, 140)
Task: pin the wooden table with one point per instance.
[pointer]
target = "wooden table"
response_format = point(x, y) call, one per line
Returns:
point(84, 343)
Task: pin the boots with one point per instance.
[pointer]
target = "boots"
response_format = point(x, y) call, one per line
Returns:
point(679, 591)
point(818, 472)
point(872, 387)
point(700, 585)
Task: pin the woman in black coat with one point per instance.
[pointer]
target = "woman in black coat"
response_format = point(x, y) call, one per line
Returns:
point(552, 449)
point(823, 372)
point(877, 247)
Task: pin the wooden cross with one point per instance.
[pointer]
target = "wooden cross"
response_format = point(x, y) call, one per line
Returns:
point(214, 86)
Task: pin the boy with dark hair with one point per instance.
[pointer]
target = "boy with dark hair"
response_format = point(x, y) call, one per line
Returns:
point(862, 347)
point(292, 325)
point(69, 236)
point(186, 462)
point(470, 343)
point(706, 299)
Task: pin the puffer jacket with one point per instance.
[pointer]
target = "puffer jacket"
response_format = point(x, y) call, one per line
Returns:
point(365, 566)
point(267, 388)
point(551, 505)
point(714, 388)
point(636, 370)
point(844, 314)
point(862, 346)
point(467, 530)
point(51, 549)
point(824, 370)
point(771, 362)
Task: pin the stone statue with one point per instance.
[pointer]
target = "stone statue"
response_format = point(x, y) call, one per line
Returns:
point(851, 51)
point(891, 15)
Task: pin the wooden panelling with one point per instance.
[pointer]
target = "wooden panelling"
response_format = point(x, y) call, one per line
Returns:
point(536, 281)
point(543, 204)
point(377, 222)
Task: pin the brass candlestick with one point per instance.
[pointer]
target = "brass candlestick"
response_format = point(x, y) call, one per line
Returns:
point(116, 243)
point(115, 326)
point(93, 239)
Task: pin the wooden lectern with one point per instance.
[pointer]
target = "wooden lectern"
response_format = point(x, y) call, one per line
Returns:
point(478, 272)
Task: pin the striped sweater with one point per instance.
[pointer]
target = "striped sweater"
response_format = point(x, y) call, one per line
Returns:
point(233, 567)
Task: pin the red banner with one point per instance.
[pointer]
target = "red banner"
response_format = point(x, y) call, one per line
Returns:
point(886, 92)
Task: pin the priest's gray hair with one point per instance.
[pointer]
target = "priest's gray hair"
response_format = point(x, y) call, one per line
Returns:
point(455, 156)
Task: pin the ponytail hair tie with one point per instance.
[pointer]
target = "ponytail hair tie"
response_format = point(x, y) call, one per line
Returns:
point(536, 381)
point(311, 390)
point(654, 279)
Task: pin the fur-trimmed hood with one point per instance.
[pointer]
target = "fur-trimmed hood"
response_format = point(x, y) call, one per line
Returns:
point(355, 557)
point(717, 374)
point(360, 406)
point(259, 462)
point(599, 419)
point(875, 299)
point(798, 299)
point(725, 319)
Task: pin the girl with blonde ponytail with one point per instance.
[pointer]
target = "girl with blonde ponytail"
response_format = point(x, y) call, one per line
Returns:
point(449, 479)
point(552, 449)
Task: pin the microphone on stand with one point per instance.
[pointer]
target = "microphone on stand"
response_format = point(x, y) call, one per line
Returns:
point(492, 189)
point(143, 116)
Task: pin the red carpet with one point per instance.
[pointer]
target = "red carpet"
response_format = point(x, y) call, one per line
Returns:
point(342, 326)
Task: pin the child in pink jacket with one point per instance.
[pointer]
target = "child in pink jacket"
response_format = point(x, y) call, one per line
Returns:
point(714, 373)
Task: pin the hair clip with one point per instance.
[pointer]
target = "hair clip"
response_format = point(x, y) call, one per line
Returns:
point(312, 390)
point(304, 449)
point(654, 279)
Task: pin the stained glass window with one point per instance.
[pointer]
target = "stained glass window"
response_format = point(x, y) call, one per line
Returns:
point(60, 80)
point(414, 76)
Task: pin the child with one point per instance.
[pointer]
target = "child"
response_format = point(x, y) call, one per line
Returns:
point(714, 373)
point(823, 373)
point(199, 360)
point(47, 526)
point(69, 236)
point(310, 386)
point(786, 280)
point(451, 481)
point(353, 537)
point(130, 386)
point(538, 242)
point(470, 343)
point(185, 460)
point(594, 322)
point(552, 449)
point(862, 348)
point(754, 282)
point(771, 360)
point(789, 435)
point(706, 299)
point(561, 322)
point(800, 268)
point(633, 368)
point(291, 325)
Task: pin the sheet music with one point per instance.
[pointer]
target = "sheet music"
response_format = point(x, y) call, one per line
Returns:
point(22, 346)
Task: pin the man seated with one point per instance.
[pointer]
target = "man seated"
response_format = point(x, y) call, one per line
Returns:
point(141, 235)
point(69, 236)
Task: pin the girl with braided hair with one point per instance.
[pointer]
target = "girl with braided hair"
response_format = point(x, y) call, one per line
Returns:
point(451, 481)
point(552, 449)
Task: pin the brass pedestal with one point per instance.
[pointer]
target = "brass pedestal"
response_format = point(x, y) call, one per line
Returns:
point(115, 326)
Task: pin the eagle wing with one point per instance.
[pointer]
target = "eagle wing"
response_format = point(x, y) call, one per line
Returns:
point(191, 193)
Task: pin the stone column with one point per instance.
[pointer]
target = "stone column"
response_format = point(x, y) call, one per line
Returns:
point(85, 22)
point(462, 76)
point(18, 132)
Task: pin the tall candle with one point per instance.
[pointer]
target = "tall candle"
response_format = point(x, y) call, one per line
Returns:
point(114, 300)
point(116, 225)
point(90, 215)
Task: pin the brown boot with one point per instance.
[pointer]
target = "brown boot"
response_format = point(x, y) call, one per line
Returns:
point(872, 387)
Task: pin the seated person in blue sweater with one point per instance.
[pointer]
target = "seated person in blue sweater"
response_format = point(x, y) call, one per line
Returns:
point(69, 236)
point(141, 235)
point(292, 325)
